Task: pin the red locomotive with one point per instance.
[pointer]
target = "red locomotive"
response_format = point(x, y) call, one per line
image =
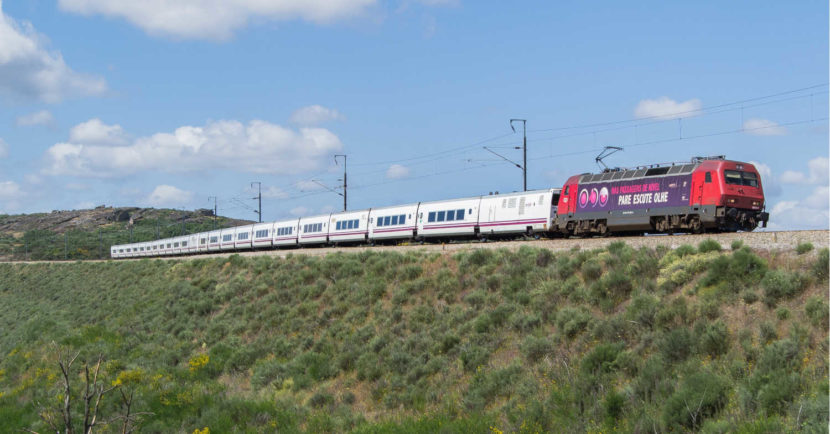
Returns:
point(707, 194)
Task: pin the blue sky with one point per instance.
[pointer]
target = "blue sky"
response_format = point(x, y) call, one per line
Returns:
point(148, 104)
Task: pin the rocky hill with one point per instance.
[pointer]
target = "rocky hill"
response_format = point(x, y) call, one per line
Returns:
point(60, 221)
point(88, 233)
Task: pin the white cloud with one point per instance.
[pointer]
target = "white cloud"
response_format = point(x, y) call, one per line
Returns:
point(9, 190)
point(217, 20)
point(274, 193)
point(763, 127)
point(667, 108)
point(43, 117)
point(327, 209)
point(810, 212)
point(167, 195)
point(768, 182)
point(818, 173)
point(29, 71)
point(315, 115)
point(300, 211)
point(793, 177)
point(396, 171)
point(259, 147)
point(4, 149)
point(95, 132)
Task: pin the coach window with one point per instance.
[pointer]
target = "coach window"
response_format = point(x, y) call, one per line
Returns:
point(394, 219)
point(708, 177)
point(440, 216)
point(450, 215)
point(459, 214)
point(387, 220)
point(431, 216)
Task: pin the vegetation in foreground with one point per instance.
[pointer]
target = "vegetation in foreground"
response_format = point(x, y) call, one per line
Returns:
point(694, 339)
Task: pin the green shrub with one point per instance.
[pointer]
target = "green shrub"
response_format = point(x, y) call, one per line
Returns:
point(677, 344)
point(535, 348)
point(613, 406)
point(601, 359)
point(571, 321)
point(701, 396)
point(473, 356)
point(822, 265)
point(321, 399)
point(816, 310)
point(778, 391)
point(591, 269)
point(737, 244)
point(749, 296)
point(685, 250)
point(803, 248)
point(708, 245)
point(767, 332)
point(781, 284)
point(715, 339)
point(782, 313)
point(643, 310)
point(673, 314)
point(368, 367)
point(742, 268)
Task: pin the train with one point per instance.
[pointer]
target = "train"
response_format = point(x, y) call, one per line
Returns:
point(705, 194)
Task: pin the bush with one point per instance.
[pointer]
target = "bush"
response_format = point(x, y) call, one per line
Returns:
point(701, 396)
point(591, 270)
point(572, 321)
point(781, 284)
point(684, 250)
point(816, 310)
point(715, 339)
point(473, 356)
point(737, 244)
point(749, 296)
point(779, 391)
point(613, 406)
point(742, 268)
point(677, 344)
point(822, 265)
point(321, 399)
point(803, 248)
point(601, 359)
point(535, 348)
point(782, 313)
point(643, 310)
point(767, 332)
point(708, 245)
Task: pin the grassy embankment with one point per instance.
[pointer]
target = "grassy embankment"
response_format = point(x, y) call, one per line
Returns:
point(481, 341)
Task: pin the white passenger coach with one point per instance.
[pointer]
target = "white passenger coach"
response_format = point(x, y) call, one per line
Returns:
point(499, 215)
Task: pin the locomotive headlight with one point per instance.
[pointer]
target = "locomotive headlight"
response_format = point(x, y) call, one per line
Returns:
point(731, 200)
point(756, 203)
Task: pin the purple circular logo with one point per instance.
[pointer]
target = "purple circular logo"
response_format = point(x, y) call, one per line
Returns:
point(594, 197)
point(603, 196)
point(583, 198)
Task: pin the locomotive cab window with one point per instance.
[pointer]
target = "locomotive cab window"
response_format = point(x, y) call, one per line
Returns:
point(736, 177)
point(708, 177)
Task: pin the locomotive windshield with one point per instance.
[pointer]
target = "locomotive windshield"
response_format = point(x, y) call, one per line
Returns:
point(737, 177)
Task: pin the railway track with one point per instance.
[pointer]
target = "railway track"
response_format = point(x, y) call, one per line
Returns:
point(769, 240)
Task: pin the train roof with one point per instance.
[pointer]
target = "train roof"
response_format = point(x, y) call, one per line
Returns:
point(655, 170)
